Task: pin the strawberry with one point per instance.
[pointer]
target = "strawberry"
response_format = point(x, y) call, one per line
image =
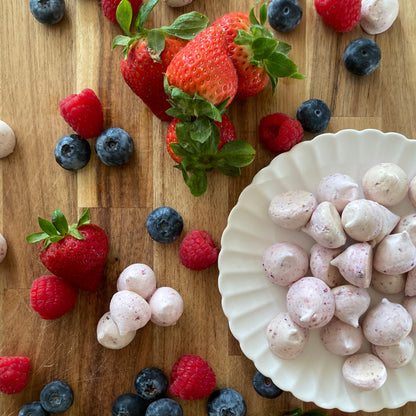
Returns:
point(76, 253)
point(342, 16)
point(227, 133)
point(257, 56)
point(14, 374)
point(147, 53)
point(110, 8)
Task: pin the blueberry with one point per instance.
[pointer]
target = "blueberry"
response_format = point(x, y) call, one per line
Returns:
point(164, 225)
point(314, 115)
point(56, 397)
point(284, 15)
point(114, 146)
point(47, 11)
point(72, 152)
point(362, 56)
point(128, 404)
point(265, 386)
point(164, 407)
point(226, 401)
point(151, 384)
point(33, 409)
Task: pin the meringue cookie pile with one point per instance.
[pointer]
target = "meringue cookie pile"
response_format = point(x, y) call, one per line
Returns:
point(359, 243)
point(136, 302)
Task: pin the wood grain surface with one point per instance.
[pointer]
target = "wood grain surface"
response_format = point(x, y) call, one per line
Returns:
point(42, 64)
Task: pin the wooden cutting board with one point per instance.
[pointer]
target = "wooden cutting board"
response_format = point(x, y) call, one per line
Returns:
point(41, 65)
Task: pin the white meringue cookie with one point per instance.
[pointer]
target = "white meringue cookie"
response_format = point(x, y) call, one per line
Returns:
point(409, 303)
point(138, 278)
point(410, 285)
point(129, 310)
point(388, 284)
point(395, 356)
point(166, 306)
point(321, 267)
point(109, 336)
point(7, 139)
point(378, 15)
point(389, 222)
point(407, 223)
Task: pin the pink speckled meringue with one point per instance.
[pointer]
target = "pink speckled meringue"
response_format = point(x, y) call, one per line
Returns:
point(388, 284)
point(385, 183)
point(378, 15)
point(285, 262)
point(407, 223)
point(7, 139)
point(286, 339)
point(339, 189)
point(355, 264)
point(138, 278)
point(166, 305)
point(321, 267)
point(3, 248)
point(389, 222)
point(410, 285)
point(325, 226)
point(395, 254)
point(292, 209)
point(109, 336)
point(364, 371)
point(351, 302)
point(129, 310)
point(409, 303)
point(340, 338)
point(310, 302)
point(395, 356)
point(412, 191)
point(387, 323)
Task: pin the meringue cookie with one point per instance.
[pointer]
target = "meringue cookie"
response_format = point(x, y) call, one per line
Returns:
point(325, 226)
point(351, 303)
point(109, 336)
point(361, 220)
point(378, 15)
point(411, 193)
point(387, 323)
point(340, 338)
point(286, 339)
point(310, 302)
point(339, 189)
point(3, 248)
point(7, 139)
point(395, 356)
point(166, 306)
point(409, 303)
point(395, 254)
point(385, 183)
point(292, 209)
point(407, 223)
point(364, 371)
point(388, 284)
point(410, 285)
point(138, 278)
point(129, 310)
point(389, 221)
point(285, 263)
point(355, 264)
point(321, 267)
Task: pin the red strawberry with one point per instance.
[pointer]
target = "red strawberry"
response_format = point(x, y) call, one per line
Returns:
point(145, 59)
point(227, 133)
point(198, 251)
point(52, 296)
point(110, 6)
point(192, 378)
point(256, 55)
point(76, 253)
point(340, 15)
point(14, 374)
point(84, 113)
point(203, 67)
point(279, 132)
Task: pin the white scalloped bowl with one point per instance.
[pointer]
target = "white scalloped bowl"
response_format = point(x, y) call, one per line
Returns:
point(250, 301)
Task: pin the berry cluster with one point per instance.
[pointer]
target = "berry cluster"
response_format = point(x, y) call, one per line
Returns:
point(84, 113)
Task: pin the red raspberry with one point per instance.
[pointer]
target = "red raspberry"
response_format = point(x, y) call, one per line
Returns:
point(279, 132)
point(14, 374)
point(191, 378)
point(52, 296)
point(84, 113)
point(110, 7)
point(198, 250)
point(341, 15)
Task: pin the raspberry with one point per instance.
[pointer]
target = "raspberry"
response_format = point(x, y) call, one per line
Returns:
point(52, 296)
point(84, 113)
point(198, 250)
point(192, 378)
point(110, 7)
point(279, 132)
point(14, 374)
point(340, 15)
